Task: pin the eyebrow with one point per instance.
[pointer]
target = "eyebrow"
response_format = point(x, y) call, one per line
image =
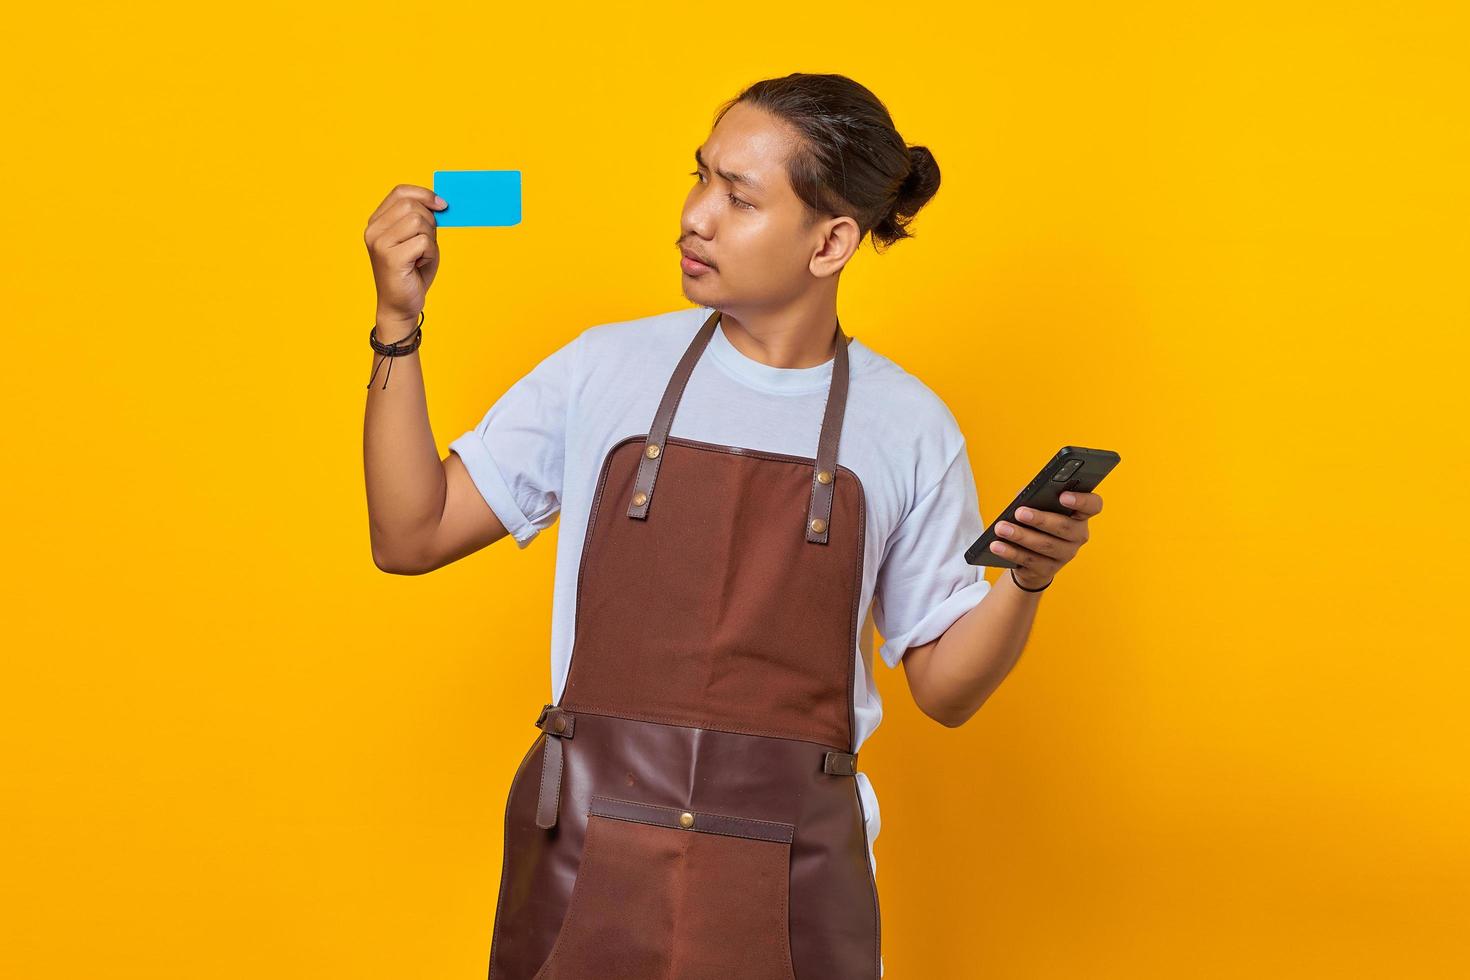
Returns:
point(745, 180)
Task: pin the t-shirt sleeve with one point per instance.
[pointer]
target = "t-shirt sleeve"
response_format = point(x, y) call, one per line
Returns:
point(516, 455)
point(924, 583)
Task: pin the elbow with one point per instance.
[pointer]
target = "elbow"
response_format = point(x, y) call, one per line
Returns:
point(952, 719)
point(397, 564)
point(385, 564)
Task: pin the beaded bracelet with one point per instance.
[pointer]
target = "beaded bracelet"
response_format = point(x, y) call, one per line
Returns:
point(407, 345)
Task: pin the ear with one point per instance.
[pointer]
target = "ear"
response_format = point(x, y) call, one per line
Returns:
point(837, 240)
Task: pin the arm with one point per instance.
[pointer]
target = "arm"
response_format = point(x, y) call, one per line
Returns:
point(952, 676)
point(423, 512)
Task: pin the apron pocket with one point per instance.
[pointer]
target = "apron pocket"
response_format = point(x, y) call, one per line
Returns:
point(662, 891)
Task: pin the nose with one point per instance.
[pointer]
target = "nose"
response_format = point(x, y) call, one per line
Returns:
point(697, 219)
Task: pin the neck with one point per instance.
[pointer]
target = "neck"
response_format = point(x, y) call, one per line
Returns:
point(792, 337)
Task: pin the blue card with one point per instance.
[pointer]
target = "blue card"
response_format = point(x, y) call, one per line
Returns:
point(478, 198)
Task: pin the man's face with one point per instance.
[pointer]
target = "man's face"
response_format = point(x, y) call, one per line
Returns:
point(753, 231)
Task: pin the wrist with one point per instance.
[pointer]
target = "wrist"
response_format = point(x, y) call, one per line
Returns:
point(393, 326)
point(400, 340)
point(1028, 584)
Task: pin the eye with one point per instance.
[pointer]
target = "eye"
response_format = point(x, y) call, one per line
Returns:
point(744, 205)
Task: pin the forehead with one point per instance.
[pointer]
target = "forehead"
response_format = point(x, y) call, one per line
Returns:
point(751, 141)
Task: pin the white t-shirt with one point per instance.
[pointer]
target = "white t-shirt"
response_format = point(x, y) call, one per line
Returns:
point(539, 450)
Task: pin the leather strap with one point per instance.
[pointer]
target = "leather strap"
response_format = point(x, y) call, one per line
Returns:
point(824, 470)
point(557, 724)
point(840, 763)
point(700, 820)
point(820, 509)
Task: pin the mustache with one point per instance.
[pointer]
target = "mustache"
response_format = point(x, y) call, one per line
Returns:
point(694, 252)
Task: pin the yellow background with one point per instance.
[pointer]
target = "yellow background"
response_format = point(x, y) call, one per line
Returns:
point(1228, 241)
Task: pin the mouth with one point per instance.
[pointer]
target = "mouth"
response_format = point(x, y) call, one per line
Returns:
point(692, 263)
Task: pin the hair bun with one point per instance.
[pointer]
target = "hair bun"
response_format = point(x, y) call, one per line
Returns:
point(922, 180)
point(914, 191)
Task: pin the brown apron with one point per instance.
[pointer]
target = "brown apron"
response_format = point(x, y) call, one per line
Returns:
point(690, 810)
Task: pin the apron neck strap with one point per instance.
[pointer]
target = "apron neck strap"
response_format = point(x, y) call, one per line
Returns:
point(824, 469)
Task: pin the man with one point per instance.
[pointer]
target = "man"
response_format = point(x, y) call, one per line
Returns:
point(692, 806)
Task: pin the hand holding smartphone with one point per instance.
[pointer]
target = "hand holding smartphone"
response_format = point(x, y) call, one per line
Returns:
point(1072, 468)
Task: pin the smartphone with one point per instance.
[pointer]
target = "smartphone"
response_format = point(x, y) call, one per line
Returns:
point(1072, 468)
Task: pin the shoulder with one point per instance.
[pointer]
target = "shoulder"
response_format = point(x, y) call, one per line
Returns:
point(617, 362)
point(639, 335)
point(906, 402)
point(906, 442)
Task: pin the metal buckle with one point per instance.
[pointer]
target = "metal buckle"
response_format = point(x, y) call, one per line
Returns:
point(840, 763)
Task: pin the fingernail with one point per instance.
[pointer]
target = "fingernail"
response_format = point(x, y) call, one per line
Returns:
point(1024, 513)
point(439, 202)
point(1003, 528)
point(1068, 499)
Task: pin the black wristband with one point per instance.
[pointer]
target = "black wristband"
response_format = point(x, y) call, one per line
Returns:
point(1024, 589)
point(407, 345)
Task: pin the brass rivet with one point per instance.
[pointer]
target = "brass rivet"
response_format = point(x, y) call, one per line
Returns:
point(652, 451)
point(819, 525)
point(686, 819)
point(823, 476)
point(640, 498)
point(560, 724)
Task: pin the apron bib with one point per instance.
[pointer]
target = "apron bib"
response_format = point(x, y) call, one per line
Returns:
point(689, 809)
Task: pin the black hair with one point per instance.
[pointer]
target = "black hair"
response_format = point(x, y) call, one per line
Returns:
point(850, 160)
